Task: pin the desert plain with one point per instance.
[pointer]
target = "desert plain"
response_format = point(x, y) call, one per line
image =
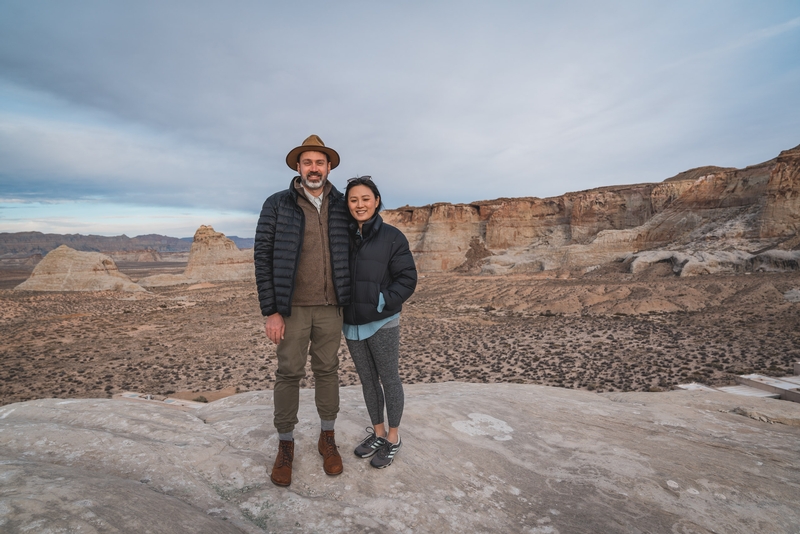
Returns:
point(607, 331)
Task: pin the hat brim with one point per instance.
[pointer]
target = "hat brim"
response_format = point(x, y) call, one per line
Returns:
point(293, 158)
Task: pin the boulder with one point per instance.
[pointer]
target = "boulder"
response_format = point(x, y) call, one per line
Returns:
point(65, 269)
point(475, 458)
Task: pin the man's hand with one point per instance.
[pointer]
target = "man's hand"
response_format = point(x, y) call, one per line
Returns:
point(275, 327)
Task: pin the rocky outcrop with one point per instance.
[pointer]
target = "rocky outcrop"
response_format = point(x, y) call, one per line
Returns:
point(744, 212)
point(732, 262)
point(65, 269)
point(530, 459)
point(213, 257)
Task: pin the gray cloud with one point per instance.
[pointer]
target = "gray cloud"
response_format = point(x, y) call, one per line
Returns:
point(196, 103)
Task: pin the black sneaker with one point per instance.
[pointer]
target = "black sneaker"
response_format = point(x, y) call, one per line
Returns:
point(385, 454)
point(370, 445)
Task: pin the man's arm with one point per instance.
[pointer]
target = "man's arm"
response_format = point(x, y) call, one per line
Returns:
point(262, 256)
point(263, 251)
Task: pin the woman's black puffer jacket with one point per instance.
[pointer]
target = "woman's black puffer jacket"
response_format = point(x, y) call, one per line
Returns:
point(380, 262)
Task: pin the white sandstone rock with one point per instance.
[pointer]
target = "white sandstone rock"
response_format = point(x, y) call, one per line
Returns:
point(65, 269)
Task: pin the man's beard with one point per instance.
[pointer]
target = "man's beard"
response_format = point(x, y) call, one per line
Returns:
point(313, 185)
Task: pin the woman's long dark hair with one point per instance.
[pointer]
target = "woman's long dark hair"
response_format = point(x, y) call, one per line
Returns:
point(367, 181)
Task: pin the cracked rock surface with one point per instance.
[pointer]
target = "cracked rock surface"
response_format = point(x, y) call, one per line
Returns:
point(475, 458)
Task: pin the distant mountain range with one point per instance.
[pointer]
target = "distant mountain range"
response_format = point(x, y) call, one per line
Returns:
point(23, 244)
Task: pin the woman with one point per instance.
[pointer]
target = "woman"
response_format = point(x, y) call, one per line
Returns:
point(383, 276)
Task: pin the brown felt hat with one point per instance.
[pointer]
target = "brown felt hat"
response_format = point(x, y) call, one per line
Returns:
point(312, 142)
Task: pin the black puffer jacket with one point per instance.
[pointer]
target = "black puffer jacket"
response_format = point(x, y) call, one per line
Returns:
point(381, 262)
point(279, 239)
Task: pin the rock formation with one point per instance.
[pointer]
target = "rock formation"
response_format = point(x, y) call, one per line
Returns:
point(721, 261)
point(475, 458)
point(213, 257)
point(728, 215)
point(65, 269)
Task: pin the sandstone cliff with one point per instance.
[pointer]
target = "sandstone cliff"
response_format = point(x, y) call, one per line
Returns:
point(746, 211)
point(65, 269)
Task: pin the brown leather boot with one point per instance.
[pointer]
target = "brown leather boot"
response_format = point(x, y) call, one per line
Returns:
point(332, 461)
point(282, 470)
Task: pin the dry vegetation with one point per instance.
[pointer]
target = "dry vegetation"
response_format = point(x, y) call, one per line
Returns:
point(608, 331)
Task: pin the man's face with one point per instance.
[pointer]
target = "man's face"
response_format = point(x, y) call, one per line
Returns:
point(313, 168)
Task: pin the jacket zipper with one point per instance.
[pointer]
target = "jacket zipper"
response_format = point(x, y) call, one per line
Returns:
point(324, 267)
point(299, 210)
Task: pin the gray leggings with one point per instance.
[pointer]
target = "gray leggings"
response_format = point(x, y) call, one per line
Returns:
point(376, 362)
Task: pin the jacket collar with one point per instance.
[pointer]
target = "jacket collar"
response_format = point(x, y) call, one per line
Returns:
point(371, 226)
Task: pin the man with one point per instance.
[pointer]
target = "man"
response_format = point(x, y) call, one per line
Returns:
point(303, 279)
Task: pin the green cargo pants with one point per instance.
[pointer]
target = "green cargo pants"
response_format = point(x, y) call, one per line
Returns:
point(322, 326)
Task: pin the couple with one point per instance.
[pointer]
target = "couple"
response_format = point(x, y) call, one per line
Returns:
point(319, 253)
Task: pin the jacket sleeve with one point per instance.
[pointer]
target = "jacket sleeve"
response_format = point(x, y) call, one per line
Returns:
point(263, 251)
point(339, 236)
point(403, 272)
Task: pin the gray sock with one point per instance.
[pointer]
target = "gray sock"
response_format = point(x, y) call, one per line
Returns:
point(327, 425)
point(286, 437)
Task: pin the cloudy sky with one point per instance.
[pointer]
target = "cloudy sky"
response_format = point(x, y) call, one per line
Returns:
point(155, 117)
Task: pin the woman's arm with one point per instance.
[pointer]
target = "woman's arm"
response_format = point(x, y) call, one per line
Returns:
point(402, 271)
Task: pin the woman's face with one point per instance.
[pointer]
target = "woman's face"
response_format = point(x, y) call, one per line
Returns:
point(362, 203)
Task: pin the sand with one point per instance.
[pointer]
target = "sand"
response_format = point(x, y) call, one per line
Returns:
point(608, 331)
